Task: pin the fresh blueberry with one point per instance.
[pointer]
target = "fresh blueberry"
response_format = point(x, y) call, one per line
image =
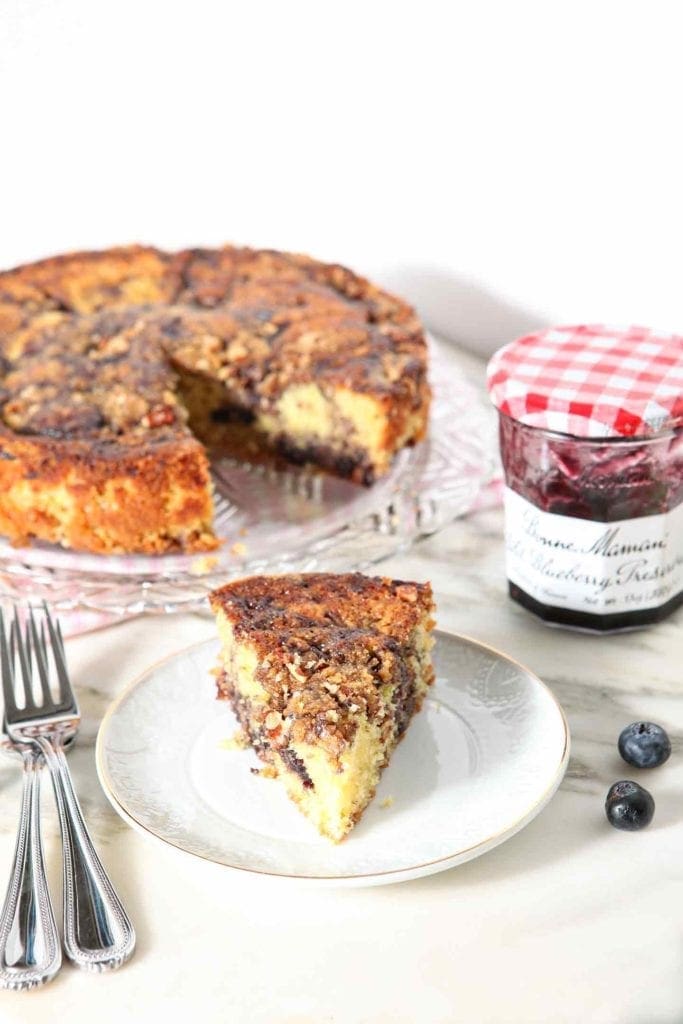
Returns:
point(628, 806)
point(644, 745)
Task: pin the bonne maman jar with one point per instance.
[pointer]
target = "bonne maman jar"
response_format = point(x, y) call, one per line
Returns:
point(591, 439)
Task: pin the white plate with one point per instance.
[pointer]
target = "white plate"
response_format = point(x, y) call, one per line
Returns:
point(481, 759)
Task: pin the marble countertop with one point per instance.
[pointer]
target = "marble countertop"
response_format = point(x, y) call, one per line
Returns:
point(568, 921)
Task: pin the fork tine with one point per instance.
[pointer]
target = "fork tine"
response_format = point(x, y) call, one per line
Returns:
point(45, 646)
point(66, 695)
point(23, 649)
point(61, 640)
point(40, 654)
point(6, 670)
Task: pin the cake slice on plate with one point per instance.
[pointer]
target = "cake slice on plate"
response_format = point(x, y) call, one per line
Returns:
point(324, 673)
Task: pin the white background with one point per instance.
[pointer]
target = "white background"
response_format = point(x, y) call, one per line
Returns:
point(502, 164)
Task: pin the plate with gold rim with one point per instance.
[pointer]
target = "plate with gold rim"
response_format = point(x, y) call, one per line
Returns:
point(481, 759)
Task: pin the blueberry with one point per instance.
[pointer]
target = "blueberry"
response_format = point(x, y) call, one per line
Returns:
point(628, 806)
point(644, 745)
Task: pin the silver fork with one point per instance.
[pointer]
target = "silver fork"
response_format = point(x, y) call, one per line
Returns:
point(98, 934)
point(30, 950)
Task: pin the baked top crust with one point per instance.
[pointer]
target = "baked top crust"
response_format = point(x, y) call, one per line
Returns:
point(262, 605)
point(258, 320)
point(94, 377)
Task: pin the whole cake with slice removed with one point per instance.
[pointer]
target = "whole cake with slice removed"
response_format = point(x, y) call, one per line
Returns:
point(121, 370)
point(324, 673)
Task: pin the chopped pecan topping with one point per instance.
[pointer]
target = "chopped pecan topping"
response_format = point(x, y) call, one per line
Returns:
point(160, 416)
point(338, 672)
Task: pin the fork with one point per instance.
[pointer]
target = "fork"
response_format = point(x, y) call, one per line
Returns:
point(98, 934)
point(30, 950)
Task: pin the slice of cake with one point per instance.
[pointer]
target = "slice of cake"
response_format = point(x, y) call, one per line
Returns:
point(324, 673)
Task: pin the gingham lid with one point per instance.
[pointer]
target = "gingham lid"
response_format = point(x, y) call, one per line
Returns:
point(592, 380)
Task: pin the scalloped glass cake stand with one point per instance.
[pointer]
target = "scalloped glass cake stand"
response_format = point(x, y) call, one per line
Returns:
point(285, 521)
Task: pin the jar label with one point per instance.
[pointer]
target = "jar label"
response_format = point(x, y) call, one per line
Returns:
point(600, 568)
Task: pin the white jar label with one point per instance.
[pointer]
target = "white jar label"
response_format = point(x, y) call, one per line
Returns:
point(599, 568)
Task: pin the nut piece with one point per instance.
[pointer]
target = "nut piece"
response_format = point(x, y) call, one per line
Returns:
point(159, 416)
point(273, 720)
point(296, 673)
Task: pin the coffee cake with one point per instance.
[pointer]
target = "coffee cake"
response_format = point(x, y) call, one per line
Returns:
point(324, 673)
point(119, 369)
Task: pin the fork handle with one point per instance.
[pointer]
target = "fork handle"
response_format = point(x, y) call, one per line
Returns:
point(98, 934)
point(30, 950)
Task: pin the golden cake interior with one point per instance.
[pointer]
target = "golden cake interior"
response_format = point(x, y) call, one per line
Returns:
point(324, 673)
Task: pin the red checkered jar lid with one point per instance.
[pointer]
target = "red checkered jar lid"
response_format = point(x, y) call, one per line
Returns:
point(592, 381)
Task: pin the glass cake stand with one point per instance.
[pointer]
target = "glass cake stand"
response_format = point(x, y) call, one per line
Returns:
point(293, 521)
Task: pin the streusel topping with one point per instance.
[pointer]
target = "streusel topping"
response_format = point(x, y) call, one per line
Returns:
point(85, 338)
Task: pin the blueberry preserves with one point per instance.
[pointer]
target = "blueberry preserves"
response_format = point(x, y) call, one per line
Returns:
point(591, 437)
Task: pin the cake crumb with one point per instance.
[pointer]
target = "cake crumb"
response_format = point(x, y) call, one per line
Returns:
point(267, 772)
point(238, 741)
point(203, 565)
point(239, 549)
point(387, 802)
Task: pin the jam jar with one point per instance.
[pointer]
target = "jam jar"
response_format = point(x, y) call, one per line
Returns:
point(591, 438)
